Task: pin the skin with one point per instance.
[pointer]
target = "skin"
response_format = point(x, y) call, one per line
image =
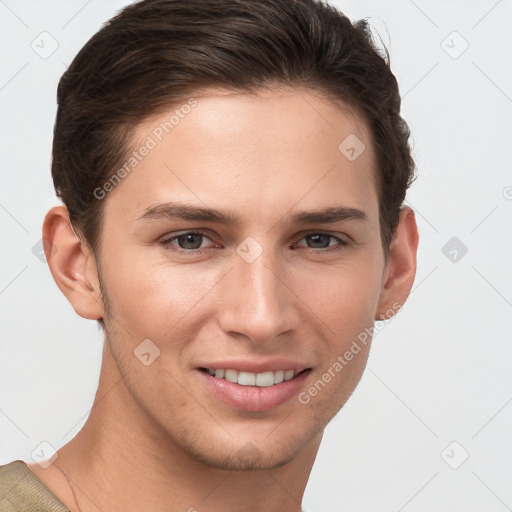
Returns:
point(156, 431)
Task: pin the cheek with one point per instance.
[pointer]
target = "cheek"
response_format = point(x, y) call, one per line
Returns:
point(344, 297)
point(345, 303)
point(151, 298)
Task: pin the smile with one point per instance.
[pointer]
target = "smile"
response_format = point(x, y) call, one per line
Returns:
point(254, 384)
point(254, 391)
point(262, 380)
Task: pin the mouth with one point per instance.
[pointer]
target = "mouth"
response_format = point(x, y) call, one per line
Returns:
point(262, 380)
point(251, 391)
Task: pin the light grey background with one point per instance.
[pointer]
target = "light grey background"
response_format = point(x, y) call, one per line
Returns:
point(439, 372)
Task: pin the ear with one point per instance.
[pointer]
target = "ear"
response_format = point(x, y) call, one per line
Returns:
point(72, 264)
point(400, 270)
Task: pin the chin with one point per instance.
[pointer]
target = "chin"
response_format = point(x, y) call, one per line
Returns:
point(247, 458)
point(249, 453)
point(246, 450)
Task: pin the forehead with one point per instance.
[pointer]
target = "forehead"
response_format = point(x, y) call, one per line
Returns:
point(271, 148)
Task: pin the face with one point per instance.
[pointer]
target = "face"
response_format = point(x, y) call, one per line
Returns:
point(244, 242)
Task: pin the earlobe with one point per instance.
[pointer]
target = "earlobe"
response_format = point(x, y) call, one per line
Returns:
point(72, 264)
point(400, 271)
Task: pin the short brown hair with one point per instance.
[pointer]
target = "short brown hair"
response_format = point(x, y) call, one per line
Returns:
point(155, 53)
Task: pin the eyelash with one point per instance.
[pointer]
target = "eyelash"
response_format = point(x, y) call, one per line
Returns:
point(167, 242)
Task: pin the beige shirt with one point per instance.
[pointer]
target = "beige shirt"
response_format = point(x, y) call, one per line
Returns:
point(22, 491)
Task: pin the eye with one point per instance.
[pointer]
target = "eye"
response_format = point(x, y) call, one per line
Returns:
point(189, 241)
point(323, 241)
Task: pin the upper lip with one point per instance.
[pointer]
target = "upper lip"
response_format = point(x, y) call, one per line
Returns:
point(245, 365)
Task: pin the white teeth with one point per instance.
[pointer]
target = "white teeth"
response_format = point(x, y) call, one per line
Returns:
point(278, 376)
point(265, 379)
point(246, 379)
point(262, 380)
point(289, 374)
point(231, 376)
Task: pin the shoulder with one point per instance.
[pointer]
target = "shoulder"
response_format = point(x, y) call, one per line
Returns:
point(21, 490)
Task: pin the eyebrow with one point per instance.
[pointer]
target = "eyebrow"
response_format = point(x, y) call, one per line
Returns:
point(188, 212)
point(172, 210)
point(329, 215)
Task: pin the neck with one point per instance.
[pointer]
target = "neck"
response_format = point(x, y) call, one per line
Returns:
point(122, 461)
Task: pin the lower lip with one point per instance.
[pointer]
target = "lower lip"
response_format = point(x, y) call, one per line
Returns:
point(254, 398)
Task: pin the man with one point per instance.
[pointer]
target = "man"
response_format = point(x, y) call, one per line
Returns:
point(233, 175)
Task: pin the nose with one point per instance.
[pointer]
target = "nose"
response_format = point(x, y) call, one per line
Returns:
point(257, 301)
